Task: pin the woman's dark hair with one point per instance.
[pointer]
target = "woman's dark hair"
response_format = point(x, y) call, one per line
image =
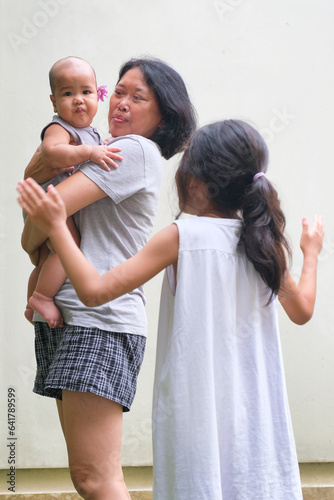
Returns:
point(225, 156)
point(178, 114)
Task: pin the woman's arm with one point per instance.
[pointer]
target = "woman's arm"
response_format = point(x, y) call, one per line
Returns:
point(77, 192)
point(48, 211)
point(37, 170)
point(298, 300)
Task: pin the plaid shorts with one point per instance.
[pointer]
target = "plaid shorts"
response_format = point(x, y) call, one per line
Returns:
point(82, 359)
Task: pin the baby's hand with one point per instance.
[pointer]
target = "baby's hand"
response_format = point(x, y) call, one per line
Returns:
point(312, 239)
point(104, 155)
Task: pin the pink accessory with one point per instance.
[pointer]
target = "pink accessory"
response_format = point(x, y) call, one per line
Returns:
point(256, 176)
point(102, 92)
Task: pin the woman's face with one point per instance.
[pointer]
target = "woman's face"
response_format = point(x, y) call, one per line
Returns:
point(133, 107)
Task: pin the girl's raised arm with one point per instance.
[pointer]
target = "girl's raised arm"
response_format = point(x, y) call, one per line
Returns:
point(298, 300)
point(48, 212)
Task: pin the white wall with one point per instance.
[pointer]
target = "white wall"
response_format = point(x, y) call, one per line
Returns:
point(267, 61)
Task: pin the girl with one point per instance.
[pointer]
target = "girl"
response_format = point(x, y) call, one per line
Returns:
point(221, 422)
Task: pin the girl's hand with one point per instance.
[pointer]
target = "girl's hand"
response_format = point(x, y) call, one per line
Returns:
point(46, 210)
point(104, 154)
point(298, 300)
point(312, 239)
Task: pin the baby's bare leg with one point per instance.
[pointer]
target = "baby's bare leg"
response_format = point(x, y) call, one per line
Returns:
point(33, 279)
point(51, 278)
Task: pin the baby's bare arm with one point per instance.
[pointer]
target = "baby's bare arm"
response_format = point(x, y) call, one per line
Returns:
point(58, 150)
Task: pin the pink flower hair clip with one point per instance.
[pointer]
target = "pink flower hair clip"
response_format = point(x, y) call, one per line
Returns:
point(102, 92)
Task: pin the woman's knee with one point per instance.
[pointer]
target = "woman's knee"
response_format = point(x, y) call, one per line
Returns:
point(90, 481)
point(85, 479)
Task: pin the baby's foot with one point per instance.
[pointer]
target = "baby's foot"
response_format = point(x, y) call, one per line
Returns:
point(46, 307)
point(29, 314)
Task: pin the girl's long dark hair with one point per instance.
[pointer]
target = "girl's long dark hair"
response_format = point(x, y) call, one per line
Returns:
point(225, 156)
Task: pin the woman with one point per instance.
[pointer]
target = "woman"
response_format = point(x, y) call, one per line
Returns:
point(91, 366)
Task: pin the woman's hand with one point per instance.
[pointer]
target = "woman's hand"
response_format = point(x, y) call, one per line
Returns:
point(107, 140)
point(46, 210)
point(39, 172)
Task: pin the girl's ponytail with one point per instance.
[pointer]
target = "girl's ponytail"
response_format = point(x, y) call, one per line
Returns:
point(262, 233)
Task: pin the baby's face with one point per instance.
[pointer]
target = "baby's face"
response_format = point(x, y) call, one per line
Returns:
point(75, 95)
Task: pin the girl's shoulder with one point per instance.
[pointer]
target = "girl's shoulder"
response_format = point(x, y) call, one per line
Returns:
point(202, 224)
point(205, 233)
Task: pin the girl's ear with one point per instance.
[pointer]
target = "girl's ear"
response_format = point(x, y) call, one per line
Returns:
point(196, 187)
point(197, 196)
point(53, 100)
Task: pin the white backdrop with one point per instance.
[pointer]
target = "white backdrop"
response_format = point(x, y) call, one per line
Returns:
point(268, 61)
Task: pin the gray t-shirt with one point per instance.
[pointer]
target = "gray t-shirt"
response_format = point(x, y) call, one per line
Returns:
point(115, 228)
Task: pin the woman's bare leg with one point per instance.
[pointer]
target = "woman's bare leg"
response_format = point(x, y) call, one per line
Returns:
point(60, 414)
point(93, 431)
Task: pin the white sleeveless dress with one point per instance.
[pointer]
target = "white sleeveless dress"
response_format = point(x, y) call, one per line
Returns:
point(221, 421)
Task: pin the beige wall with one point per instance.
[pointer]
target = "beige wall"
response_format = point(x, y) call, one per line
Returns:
point(270, 62)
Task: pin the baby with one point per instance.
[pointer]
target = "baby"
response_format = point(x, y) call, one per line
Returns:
point(68, 140)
